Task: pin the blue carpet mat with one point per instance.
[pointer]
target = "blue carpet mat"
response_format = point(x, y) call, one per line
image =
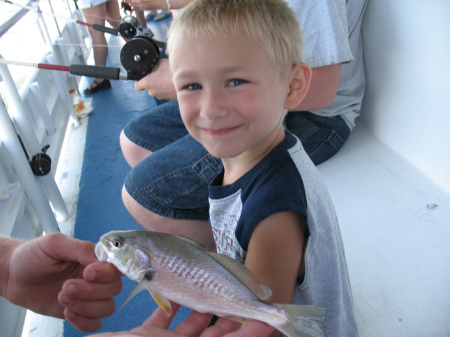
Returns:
point(100, 207)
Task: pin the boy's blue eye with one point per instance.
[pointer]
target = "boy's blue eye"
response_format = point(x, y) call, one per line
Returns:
point(236, 82)
point(194, 86)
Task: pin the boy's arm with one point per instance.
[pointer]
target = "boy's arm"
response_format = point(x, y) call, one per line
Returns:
point(275, 254)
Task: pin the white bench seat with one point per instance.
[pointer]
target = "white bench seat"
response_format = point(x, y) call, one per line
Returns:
point(395, 224)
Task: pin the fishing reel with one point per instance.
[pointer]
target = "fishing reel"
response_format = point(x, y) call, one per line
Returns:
point(41, 163)
point(129, 24)
point(140, 55)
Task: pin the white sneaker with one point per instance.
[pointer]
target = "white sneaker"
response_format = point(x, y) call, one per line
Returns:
point(145, 31)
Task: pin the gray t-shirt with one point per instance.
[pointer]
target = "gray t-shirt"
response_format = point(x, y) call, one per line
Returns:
point(332, 34)
point(287, 180)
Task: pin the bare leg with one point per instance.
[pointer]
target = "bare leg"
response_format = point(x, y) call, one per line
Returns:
point(133, 153)
point(141, 18)
point(199, 231)
point(113, 13)
point(96, 15)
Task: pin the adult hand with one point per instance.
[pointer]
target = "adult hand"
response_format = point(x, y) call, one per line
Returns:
point(139, 4)
point(157, 4)
point(195, 325)
point(159, 82)
point(155, 326)
point(45, 275)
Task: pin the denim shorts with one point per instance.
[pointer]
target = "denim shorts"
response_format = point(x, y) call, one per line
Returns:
point(321, 137)
point(173, 181)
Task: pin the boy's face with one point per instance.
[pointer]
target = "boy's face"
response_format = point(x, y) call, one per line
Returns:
point(230, 95)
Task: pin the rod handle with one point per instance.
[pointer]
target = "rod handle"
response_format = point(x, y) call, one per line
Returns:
point(134, 77)
point(104, 29)
point(95, 71)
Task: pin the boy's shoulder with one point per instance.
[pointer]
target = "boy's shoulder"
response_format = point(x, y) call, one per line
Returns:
point(277, 180)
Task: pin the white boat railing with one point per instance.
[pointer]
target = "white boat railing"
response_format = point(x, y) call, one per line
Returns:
point(32, 117)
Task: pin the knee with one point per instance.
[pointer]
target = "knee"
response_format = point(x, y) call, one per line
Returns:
point(98, 37)
point(142, 215)
point(132, 152)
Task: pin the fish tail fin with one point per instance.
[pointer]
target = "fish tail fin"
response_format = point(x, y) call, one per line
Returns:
point(303, 320)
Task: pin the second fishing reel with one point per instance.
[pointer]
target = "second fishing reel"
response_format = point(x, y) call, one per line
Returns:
point(140, 54)
point(129, 25)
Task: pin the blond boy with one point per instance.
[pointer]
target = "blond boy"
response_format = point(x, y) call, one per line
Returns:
point(237, 69)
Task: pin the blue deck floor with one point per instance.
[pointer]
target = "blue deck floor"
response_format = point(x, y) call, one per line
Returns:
point(100, 207)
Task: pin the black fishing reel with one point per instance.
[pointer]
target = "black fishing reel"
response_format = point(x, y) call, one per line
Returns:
point(41, 163)
point(129, 24)
point(140, 55)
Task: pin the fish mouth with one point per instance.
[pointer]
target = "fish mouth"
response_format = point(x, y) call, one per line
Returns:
point(100, 252)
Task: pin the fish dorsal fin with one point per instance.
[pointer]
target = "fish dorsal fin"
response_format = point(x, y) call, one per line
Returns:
point(191, 242)
point(243, 274)
point(236, 268)
point(137, 290)
point(162, 302)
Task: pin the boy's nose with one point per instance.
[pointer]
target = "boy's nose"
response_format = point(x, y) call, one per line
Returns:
point(213, 105)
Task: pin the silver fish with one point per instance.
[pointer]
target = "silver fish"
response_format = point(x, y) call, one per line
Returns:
point(174, 268)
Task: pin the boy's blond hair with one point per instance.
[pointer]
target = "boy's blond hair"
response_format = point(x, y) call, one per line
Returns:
point(271, 23)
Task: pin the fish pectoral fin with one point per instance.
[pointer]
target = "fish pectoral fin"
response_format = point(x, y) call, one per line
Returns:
point(237, 319)
point(137, 290)
point(163, 303)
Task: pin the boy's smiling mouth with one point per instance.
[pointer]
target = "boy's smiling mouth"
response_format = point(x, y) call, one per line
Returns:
point(220, 131)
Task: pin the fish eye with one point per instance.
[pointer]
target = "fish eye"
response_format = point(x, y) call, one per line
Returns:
point(118, 242)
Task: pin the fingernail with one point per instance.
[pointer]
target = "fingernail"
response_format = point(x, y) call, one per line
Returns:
point(91, 275)
point(64, 300)
point(71, 289)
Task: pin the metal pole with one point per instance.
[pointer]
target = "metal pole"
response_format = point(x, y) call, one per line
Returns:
point(30, 182)
point(29, 137)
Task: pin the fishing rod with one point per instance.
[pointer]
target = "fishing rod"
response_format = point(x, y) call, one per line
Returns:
point(138, 56)
point(79, 69)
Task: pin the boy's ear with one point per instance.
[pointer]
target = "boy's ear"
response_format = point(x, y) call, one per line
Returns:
point(300, 80)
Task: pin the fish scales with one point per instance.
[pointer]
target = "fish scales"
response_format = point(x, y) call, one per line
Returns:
point(173, 268)
point(200, 282)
